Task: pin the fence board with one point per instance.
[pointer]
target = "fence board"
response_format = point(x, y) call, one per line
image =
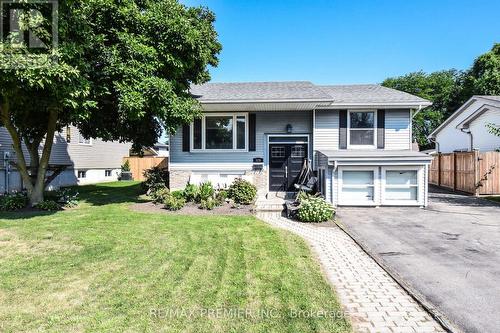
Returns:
point(139, 164)
point(434, 171)
point(489, 173)
point(471, 172)
point(464, 172)
point(447, 171)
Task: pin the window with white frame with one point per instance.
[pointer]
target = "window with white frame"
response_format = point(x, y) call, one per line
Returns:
point(221, 131)
point(401, 185)
point(82, 174)
point(358, 185)
point(108, 173)
point(362, 128)
point(83, 141)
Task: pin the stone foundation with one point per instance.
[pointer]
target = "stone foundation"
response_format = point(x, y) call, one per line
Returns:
point(179, 179)
point(259, 179)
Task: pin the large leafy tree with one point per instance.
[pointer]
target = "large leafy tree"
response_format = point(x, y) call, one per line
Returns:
point(443, 88)
point(122, 71)
point(448, 90)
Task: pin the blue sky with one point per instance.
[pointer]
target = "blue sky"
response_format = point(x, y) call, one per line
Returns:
point(354, 41)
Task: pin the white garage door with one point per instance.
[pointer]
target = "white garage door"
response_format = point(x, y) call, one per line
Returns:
point(401, 185)
point(358, 186)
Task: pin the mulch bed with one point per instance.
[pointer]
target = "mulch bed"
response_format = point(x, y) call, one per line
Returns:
point(193, 209)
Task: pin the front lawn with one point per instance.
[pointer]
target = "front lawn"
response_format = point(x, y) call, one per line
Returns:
point(496, 198)
point(102, 267)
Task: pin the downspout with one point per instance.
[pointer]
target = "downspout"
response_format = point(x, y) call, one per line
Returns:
point(438, 150)
point(467, 131)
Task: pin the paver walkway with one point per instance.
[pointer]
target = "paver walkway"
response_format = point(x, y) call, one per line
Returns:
point(373, 300)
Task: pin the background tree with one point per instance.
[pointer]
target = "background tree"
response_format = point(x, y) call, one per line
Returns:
point(442, 88)
point(448, 90)
point(123, 72)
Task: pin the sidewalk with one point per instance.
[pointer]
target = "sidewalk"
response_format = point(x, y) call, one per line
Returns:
point(375, 302)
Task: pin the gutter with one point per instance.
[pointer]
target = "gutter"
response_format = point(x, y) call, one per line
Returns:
point(467, 131)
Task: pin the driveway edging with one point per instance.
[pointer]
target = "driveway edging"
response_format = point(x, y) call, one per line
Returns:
point(419, 298)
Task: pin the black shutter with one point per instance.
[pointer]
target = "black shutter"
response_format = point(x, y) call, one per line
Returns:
point(197, 134)
point(185, 137)
point(251, 132)
point(342, 129)
point(380, 129)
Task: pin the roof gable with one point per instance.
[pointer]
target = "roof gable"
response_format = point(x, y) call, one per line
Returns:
point(485, 100)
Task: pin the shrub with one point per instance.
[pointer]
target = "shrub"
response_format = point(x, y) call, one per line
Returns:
point(242, 191)
point(155, 178)
point(178, 194)
point(67, 197)
point(205, 192)
point(173, 203)
point(126, 166)
point(315, 209)
point(209, 204)
point(221, 196)
point(191, 192)
point(159, 195)
point(15, 201)
point(49, 205)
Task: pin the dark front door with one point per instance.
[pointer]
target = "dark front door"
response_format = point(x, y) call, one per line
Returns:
point(285, 164)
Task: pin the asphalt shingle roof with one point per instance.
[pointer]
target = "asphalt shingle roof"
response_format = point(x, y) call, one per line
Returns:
point(255, 91)
point(300, 91)
point(368, 93)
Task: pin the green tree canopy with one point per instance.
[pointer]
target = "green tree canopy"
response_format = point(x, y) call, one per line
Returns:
point(122, 71)
point(442, 88)
point(448, 90)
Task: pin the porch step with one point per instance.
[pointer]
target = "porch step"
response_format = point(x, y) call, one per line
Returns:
point(270, 202)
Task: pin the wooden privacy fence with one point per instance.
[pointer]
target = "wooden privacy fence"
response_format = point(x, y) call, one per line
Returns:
point(139, 164)
point(472, 172)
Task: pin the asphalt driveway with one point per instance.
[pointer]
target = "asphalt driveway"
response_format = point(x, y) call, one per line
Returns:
point(449, 253)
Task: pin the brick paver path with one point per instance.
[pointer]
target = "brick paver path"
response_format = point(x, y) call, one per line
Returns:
point(373, 300)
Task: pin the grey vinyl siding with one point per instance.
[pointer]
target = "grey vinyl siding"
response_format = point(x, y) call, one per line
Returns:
point(397, 129)
point(266, 123)
point(326, 130)
point(99, 155)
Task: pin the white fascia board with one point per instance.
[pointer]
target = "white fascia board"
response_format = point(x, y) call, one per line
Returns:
point(211, 166)
point(453, 116)
point(385, 105)
point(380, 162)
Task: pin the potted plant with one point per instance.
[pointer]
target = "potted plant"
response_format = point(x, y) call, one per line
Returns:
point(126, 174)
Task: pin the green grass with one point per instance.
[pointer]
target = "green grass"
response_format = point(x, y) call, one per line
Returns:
point(104, 268)
point(496, 199)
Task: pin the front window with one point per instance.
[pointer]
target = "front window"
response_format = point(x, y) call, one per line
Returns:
point(220, 132)
point(82, 174)
point(362, 128)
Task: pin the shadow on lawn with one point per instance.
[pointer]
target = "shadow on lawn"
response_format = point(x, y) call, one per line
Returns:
point(95, 195)
point(111, 193)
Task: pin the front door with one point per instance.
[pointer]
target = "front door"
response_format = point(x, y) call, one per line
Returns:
point(285, 164)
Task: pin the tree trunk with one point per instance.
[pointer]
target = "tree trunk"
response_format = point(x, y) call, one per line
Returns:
point(36, 195)
point(34, 186)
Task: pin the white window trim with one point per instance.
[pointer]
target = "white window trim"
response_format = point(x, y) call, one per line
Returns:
point(78, 174)
point(203, 134)
point(374, 146)
point(420, 174)
point(376, 186)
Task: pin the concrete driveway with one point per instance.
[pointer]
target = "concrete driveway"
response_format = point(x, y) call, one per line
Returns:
point(448, 253)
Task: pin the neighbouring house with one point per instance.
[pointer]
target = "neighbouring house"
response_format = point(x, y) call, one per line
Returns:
point(85, 161)
point(358, 139)
point(466, 129)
